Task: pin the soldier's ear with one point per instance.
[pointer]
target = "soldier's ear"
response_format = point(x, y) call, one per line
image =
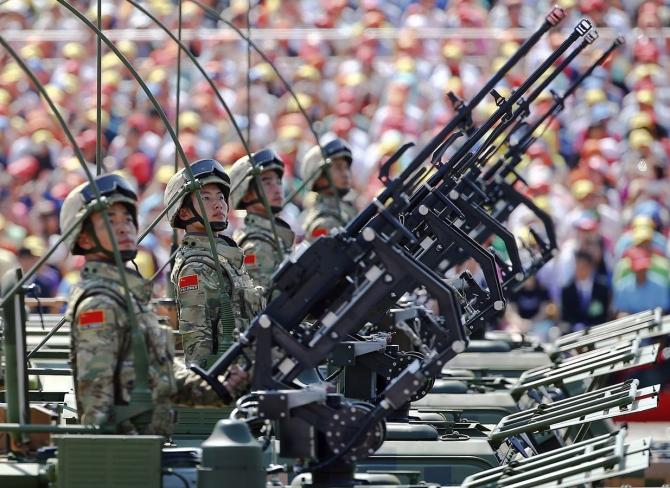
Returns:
point(321, 182)
point(85, 241)
point(185, 213)
point(250, 196)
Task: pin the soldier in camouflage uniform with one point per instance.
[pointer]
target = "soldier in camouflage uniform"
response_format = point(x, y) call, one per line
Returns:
point(102, 353)
point(206, 308)
point(328, 208)
point(263, 251)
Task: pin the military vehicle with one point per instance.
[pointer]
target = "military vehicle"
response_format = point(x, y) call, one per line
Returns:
point(370, 305)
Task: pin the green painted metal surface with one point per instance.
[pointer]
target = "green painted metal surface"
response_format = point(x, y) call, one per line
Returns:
point(198, 421)
point(110, 461)
point(443, 462)
point(231, 457)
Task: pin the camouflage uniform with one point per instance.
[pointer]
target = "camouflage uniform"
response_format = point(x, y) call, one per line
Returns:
point(261, 256)
point(326, 214)
point(199, 294)
point(103, 357)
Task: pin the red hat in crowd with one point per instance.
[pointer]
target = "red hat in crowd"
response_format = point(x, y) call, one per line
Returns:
point(138, 122)
point(24, 168)
point(646, 50)
point(87, 140)
point(139, 166)
point(588, 6)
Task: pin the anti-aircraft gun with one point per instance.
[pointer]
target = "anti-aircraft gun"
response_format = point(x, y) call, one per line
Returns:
point(459, 225)
point(337, 280)
point(380, 263)
point(489, 187)
point(496, 192)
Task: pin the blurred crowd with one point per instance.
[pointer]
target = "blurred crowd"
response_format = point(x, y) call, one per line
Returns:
point(378, 79)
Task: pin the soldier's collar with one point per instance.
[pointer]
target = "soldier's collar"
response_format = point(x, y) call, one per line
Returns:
point(138, 286)
point(225, 246)
point(283, 229)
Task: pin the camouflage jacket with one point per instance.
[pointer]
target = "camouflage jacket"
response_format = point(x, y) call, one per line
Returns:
point(326, 213)
point(102, 354)
point(261, 254)
point(199, 295)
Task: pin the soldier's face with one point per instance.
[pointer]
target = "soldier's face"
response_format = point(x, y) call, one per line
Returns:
point(123, 228)
point(340, 173)
point(274, 192)
point(216, 207)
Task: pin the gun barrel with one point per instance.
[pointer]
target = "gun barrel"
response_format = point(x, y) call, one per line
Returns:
point(557, 106)
point(456, 164)
point(555, 16)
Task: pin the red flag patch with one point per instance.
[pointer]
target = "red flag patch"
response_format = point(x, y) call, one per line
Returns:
point(91, 318)
point(320, 231)
point(250, 259)
point(188, 283)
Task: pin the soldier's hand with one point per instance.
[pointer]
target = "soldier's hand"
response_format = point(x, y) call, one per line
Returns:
point(236, 379)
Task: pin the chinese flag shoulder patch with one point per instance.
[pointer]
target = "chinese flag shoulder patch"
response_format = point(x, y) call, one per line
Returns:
point(91, 318)
point(320, 231)
point(250, 259)
point(188, 283)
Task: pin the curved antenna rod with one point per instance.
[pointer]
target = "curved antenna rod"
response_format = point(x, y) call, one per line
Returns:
point(141, 393)
point(183, 47)
point(226, 306)
point(175, 235)
point(98, 105)
point(286, 84)
point(249, 72)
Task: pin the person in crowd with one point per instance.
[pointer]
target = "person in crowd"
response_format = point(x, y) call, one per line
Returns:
point(585, 301)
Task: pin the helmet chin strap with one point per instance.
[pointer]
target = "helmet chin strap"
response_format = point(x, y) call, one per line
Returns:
point(218, 226)
point(275, 209)
point(340, 191)
point(127, 255)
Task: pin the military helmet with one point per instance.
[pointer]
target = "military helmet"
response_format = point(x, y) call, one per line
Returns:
point(314, 162)
point(205, 171)
point(243, 171)
point(111, 186)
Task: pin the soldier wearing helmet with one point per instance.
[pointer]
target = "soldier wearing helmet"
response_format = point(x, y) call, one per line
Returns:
point(207, 308)
point(330, 179)
point(263, 250)
point(102, 353)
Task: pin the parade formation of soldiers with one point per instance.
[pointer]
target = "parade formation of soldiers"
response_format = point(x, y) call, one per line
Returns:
point(215, 295)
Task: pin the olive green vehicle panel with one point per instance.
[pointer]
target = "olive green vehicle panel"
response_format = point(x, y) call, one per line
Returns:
point(109, 461)
point(485, 408)
point(198, 422)
point(508, 364)
point(442, 462)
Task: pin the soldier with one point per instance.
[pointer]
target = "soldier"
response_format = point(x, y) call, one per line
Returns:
point(103, 357)
point(331, 180)
point(207, 309)
point(263, 251)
